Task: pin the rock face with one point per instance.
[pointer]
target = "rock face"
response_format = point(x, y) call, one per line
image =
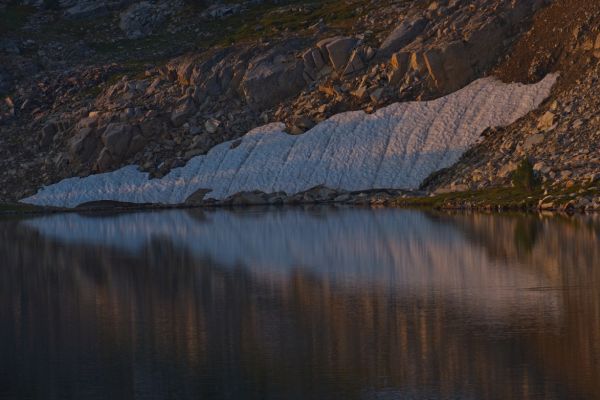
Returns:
point(272, 77)
point(339, 51)
point(396, 147)
point(116, 139)
point(561, 140)
point(406, 32)
point(449, 59)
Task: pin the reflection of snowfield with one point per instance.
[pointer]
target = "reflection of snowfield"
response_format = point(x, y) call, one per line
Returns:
point(392, 249)
point(397, 147)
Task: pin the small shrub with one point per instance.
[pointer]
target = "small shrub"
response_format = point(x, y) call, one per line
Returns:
point(524, 176)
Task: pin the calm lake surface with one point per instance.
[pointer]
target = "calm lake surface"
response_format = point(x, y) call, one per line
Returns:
point(298, 303)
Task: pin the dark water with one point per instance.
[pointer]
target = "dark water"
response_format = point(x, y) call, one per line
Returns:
point(300, 304)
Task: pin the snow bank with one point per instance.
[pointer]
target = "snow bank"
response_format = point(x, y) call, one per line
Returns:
point(396, 147)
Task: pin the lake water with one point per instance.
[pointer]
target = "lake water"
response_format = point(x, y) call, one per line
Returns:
point(315, 303)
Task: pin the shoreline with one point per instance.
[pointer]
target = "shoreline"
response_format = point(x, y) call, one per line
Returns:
point(574, 200)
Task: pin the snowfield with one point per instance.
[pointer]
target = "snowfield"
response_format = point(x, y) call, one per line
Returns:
point(396, 147)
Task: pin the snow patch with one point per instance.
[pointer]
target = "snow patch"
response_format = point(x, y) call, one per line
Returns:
point(396, 147)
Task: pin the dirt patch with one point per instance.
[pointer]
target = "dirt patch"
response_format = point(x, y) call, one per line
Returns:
point(555, 43)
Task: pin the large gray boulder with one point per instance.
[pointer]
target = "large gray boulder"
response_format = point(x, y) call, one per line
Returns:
point(116, 138)
point(339, 51)
point(83, 146)
point(406, 32)
point(272, 77)
point(450, 66)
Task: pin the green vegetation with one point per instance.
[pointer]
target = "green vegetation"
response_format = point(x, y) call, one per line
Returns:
point(14, 17)
point(524, 176)
point(523, 196)
point(505, 198)
point(266, 20)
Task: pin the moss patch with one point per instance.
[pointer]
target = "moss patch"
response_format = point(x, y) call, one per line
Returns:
point(269, 20)
point(516, 198)
point(524, 176)
point(14, 17)
point(505, 198)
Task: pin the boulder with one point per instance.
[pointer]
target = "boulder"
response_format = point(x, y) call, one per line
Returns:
point(137, 144)
point(318, 60)
point(355, 64)
point(449, 66)
point(546, 121)
point(197, 198)
point(272, 77)
point(339, 51)
point(116, 139)
point(417, 62)
point(212, 125)
point(83, 145)
point(399, 64)
point(183, 111)
point(313, 63)
point(322, 46)
point(406, 32)
point(105, 161)
point(255, 197)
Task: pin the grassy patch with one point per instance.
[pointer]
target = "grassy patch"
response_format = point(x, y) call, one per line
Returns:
point(14, 17)
point(563, 195)
point(268, 20)
point(506, 198)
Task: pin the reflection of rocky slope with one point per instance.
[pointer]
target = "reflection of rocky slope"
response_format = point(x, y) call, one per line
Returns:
point(74, 119)
point(567, 256)
point(306, 332)
point(403, 250)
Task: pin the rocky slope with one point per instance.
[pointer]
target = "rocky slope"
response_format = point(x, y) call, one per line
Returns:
point(396, 147)
point(94, 86)
point(561, 139)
